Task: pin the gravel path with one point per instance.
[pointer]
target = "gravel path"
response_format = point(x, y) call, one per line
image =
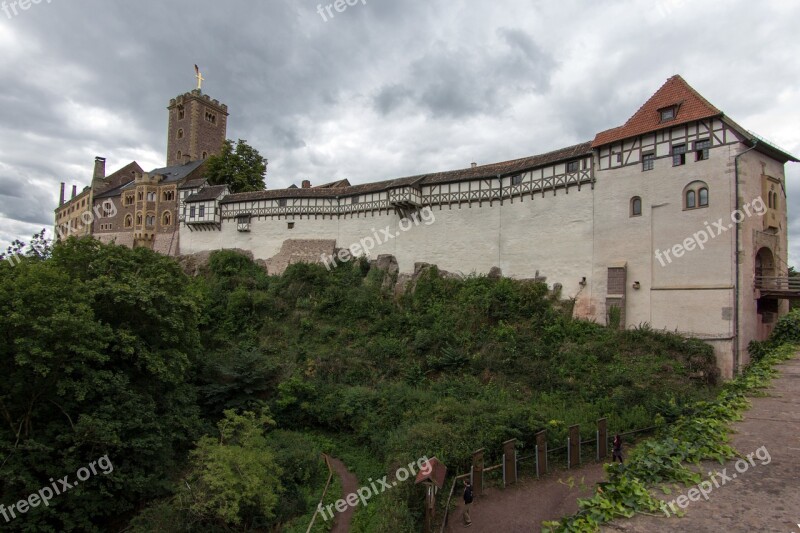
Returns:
point(341, 522)
point(523, 507)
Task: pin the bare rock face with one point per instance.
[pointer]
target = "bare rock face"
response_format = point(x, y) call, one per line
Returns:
point(387, 263)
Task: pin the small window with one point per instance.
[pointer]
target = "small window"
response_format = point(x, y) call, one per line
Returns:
point(290, 225)
point(243, 223)
point(128, 221)
point(691, 199)
point(668, 114)
point(648, 161)
point(166, 219)
point(140, 195)
point(678, 155)
point(354, 200)
point(191, 212)
point(128, 199)
point(702, 197)
point(180, 133)
point(636, 206)
point(516, 180)
point(181, 112)
point(205, 155)
point(202, 211)
point(282, 202)
point(701, 149)
point(139, 219)
point(180, 155)
point(573, 166)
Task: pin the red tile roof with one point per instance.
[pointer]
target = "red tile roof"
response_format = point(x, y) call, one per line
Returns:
point(691, 106)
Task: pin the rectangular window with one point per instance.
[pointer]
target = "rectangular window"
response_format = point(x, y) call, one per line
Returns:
point(282, 202)
point(701, 149)
point(516, 180)
point(354, 200)
point(648, 161)
point(667, 114)
point(573, 166)
point(678, 155)
point(202, 211)
point(191, 212)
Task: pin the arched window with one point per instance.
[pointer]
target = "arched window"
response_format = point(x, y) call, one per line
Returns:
point(180, 133)
point(139, 219)
point(181, 112)
point(702, 197)
point(166, 219)
point(128, 221)
point(151, 221)
point(140, 195)
point(205, 155)
point(695, 195)
point(691, 199)
point(180, 155)
point(636, 206)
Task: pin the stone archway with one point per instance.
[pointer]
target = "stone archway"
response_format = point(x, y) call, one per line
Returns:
point(767, 307)
point(765, 263)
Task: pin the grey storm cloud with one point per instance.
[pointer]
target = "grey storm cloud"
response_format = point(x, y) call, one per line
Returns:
point(384, 89)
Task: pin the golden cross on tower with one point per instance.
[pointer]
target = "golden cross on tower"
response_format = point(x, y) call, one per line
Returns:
point(200, 78)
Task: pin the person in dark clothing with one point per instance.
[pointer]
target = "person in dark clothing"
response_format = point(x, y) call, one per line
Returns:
point(467, 503)
point(616, 452)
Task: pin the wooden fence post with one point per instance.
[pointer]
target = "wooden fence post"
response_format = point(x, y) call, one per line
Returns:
point(541, 450)
point(602, 438)
point(510, 461)
point(477, 472)
point(575, 446)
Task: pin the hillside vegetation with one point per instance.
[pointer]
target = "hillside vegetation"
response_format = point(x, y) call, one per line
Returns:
point(214, 395)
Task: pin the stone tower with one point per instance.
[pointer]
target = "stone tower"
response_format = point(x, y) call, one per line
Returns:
point(197, 127)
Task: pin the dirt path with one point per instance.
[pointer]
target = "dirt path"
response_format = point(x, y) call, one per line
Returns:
point(522, 508)
point(341, 522)
point(764, 497)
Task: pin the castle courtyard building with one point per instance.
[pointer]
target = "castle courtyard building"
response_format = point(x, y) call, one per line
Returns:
point(677, 218)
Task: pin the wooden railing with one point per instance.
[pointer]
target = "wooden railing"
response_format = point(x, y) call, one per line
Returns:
point(778, 283)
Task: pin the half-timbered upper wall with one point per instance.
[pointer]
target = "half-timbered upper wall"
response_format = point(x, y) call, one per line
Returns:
point(565, 175)
point(631, 151)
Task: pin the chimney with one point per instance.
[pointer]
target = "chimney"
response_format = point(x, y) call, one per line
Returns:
point(74, 191)
point(99, 168)
point(474, 165)
point(306, 184)
point(186, 159)
point(61, 200)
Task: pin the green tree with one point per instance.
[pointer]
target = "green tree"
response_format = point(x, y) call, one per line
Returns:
point(96, 347)
point(242, 168)
point(235, 478)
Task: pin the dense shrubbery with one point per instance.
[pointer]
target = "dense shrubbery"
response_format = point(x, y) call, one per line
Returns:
point(119, 352)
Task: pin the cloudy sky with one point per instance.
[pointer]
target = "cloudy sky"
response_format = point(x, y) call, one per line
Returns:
point(385, 89)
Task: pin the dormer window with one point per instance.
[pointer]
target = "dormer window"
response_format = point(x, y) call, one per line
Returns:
point(668, 113)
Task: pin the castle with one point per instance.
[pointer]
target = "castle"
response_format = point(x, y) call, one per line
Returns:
point(677, 218)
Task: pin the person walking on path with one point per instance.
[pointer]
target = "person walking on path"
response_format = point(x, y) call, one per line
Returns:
point(616, 452)
point(467, 503)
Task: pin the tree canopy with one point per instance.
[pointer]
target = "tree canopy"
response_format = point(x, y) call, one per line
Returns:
point(241, 168)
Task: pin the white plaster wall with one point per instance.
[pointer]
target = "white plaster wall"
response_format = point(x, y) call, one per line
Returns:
point(550, 234)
